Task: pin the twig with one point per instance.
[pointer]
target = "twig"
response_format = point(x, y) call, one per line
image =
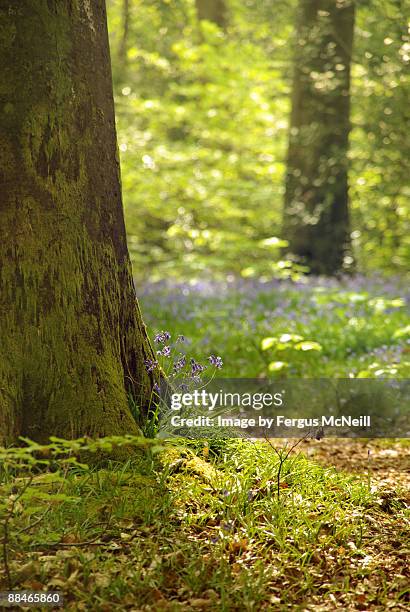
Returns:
point(74, 544)
point(282, 458)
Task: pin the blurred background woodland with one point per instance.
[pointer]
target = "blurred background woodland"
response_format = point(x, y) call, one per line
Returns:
point(204, 93)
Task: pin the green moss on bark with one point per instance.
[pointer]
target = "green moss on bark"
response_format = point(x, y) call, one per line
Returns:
point(73, 342)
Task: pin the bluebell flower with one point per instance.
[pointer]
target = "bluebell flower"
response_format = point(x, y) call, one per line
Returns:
point(180, 363)
point(162, 337)
point(216, 361)
point(166, 351)
point(228, 526)
point(196, 368)
point(150, 364)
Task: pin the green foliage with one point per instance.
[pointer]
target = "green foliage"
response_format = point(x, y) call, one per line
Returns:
point(203, 120)
point(37, 493)
point(288, 345)
point(313, 329)
point(380, 146)
point(198, 151)
point(194, 527)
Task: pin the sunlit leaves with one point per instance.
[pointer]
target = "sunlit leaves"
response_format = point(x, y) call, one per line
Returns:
point(403, 332)
point(277, 366)
point(203, 120)
point(308, 345)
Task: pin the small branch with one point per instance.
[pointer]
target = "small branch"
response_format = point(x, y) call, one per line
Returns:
point(93, 541)
point(282, 458)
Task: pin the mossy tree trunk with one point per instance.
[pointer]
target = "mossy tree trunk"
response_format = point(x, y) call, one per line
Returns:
point(316, 215)
point(212, 10)
point(73, 343)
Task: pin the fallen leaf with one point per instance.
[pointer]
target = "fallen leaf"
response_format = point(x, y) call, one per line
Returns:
point(200, 603)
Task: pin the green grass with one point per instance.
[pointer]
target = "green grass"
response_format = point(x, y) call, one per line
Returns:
point(184, 525)
point(202, 527)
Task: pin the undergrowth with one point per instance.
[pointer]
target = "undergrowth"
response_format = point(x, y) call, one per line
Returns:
point(186, 525)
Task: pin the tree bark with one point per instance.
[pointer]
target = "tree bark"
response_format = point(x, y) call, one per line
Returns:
point(73, 343)
point(316, 214)
point(212, 10)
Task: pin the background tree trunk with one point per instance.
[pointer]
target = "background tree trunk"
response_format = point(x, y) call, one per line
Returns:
point(72, 339)
point(212, 10)
point(122, 51)
point(316, 216)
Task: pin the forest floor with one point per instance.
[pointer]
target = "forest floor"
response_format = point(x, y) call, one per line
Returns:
point(187, 526)
point(191, 525)
point(386, 462)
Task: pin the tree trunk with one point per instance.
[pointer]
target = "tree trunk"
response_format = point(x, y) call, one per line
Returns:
point(122, 51)
point(212, 10)
point(316, 215)
point(73, 343)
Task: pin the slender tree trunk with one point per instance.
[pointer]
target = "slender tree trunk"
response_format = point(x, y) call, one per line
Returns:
point(316, 215)
point(72, 341)
point(212, 10)
point(122, 51)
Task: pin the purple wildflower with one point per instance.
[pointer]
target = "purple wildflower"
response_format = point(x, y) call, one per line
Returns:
point(180, 363)
point(196, 368)
point(181, 338)
point(216, 361)
point(166, 351)
point(229, 526)
point(150, 364)
point(161, 337)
